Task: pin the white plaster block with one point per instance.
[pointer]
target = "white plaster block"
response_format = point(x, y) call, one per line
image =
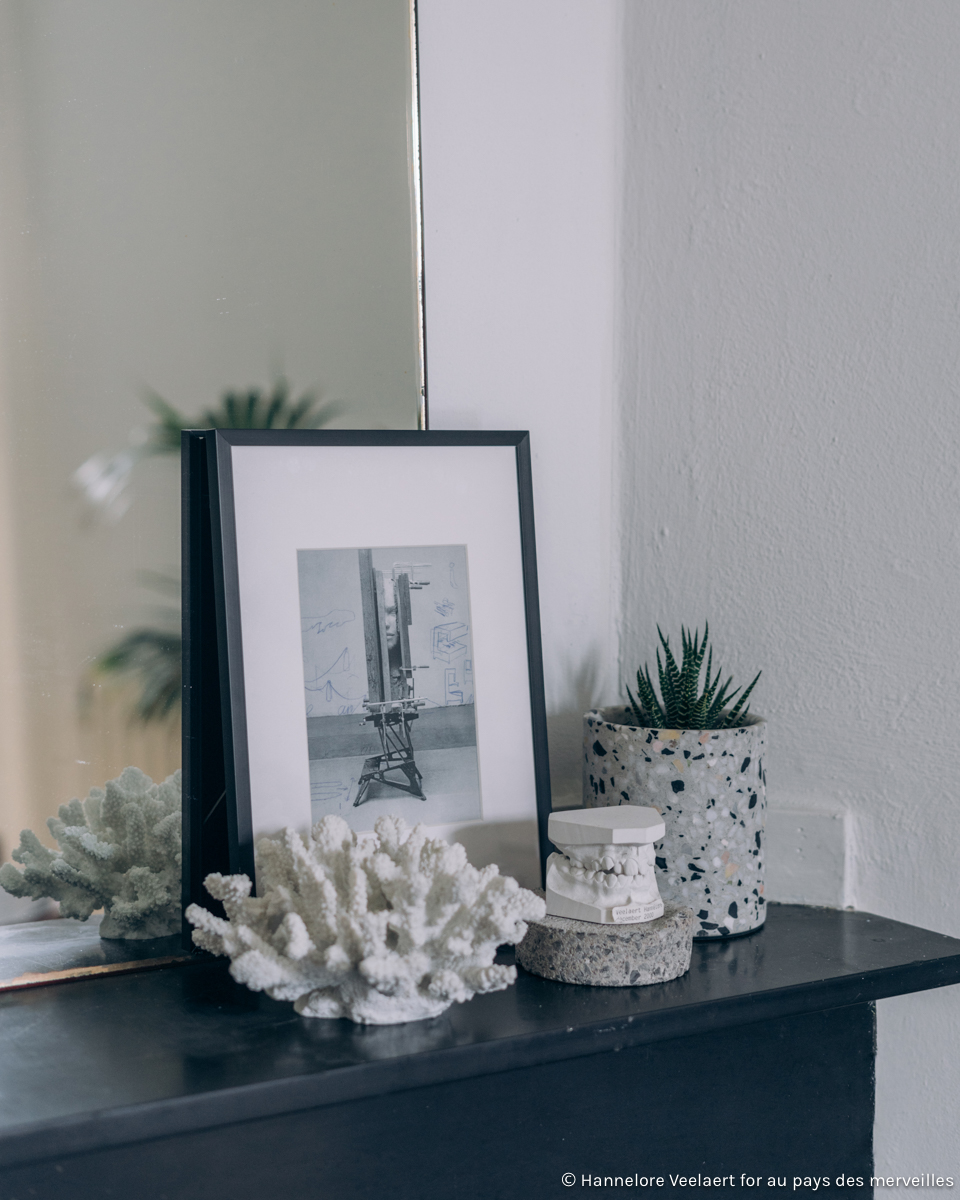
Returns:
point(806, 857)
point(623, 825)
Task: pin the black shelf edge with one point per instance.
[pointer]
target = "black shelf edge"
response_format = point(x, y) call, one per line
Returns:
point(97, 1130)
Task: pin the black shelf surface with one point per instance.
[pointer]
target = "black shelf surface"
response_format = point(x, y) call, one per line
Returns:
point(110, 1061)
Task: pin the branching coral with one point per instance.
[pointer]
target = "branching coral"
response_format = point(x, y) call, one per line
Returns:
point(119, 850)
point(381, 929)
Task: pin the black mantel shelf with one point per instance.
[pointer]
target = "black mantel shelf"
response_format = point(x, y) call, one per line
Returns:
point(112, 1061)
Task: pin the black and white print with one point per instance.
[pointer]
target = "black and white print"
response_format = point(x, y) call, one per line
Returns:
point(389, 683)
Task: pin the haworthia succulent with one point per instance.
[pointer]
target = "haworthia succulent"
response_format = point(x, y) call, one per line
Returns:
point(683, 705)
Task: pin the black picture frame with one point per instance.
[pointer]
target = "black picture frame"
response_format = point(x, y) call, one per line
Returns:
point(218, 819)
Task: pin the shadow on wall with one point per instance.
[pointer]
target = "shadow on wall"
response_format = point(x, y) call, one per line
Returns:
point(583, 683)
point(512, 845)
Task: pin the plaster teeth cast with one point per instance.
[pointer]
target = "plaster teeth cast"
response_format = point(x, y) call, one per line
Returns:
point(604, 871)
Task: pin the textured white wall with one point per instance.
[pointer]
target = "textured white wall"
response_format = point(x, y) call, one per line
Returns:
point(791, 425)
point(772, 315)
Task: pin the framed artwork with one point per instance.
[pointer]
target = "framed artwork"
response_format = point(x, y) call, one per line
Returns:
point(372, 601)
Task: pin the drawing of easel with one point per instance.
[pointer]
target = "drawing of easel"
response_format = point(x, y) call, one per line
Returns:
point(391, 706)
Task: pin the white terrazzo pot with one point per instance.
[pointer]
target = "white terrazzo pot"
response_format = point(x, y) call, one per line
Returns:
point(710, 788)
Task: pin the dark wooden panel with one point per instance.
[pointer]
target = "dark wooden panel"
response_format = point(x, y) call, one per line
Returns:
point(371, 626)
point(780, 1098)
point(404, 619)
point(381, 599)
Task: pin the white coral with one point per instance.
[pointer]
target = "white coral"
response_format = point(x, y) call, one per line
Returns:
point(381, 929)
point(119, 850)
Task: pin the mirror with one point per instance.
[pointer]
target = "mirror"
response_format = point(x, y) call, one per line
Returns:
point(195, 197)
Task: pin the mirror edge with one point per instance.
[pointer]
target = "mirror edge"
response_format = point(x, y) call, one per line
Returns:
point(417, 196)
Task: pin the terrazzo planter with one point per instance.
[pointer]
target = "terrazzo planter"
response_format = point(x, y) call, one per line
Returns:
point(710, 788)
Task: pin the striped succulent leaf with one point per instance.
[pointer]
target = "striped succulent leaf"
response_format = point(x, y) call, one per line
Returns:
point(683, 705)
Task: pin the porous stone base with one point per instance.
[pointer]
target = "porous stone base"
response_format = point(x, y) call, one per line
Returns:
point(610, 955)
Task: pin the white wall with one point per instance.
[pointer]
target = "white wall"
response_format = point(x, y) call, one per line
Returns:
point(519, 127)
point(791, 421)
point(709, 256)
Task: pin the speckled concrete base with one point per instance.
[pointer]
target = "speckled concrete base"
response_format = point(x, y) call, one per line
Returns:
point(610, 955)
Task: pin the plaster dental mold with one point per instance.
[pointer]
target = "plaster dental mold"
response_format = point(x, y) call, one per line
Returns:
point(119, 851)
point(604, 871)
point(383, 928)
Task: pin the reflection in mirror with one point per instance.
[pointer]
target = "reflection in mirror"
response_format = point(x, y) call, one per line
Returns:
point(194, 199)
